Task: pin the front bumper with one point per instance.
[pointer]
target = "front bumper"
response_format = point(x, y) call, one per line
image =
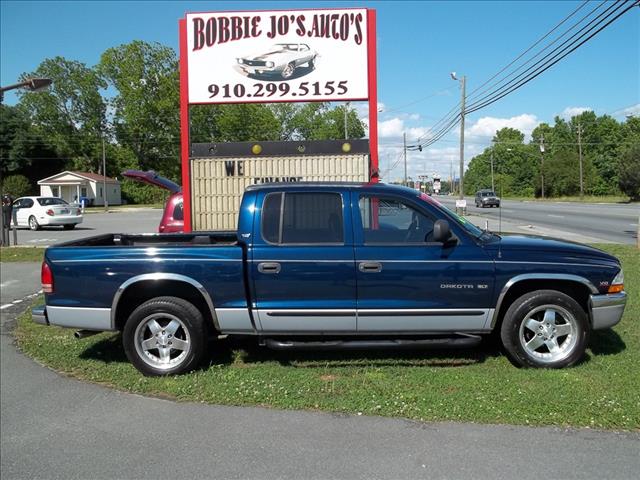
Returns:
point(607, 310)
point(251, 70)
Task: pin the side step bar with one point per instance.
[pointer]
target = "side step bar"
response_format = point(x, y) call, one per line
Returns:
point(396, 344)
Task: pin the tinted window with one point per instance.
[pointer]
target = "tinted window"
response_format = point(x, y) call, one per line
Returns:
point(386, 220)
point(310, 218)
point(178, 212)
point(271, 217)
point(45, 202)
point(26, 203)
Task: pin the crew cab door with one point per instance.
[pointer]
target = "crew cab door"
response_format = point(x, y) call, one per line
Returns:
point(408, 283)
point(302, 263)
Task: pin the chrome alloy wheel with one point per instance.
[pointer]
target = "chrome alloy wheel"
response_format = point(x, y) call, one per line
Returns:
point(549, 333)
point(162, 341)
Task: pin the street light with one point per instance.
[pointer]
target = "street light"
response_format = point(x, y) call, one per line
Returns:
point(31, 84)
point(463, 83)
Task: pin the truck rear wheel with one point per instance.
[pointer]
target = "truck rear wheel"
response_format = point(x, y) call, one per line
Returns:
point(165, 336)
point(545, 329)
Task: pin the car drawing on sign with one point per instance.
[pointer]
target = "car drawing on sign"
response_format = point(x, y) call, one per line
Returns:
point(281, 60)
point(36, 212)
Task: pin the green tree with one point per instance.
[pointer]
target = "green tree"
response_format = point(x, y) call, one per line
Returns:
point(16, 186)
point(71, 114)
point(629, 172)
point(146, 113)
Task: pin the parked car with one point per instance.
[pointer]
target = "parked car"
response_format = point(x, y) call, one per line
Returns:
point(282, 60)
point(36, 212)
point(334, 265)
point(487, 198)
point(173, 215)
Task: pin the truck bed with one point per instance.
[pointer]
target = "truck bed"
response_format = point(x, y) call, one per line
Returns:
point(155, 239)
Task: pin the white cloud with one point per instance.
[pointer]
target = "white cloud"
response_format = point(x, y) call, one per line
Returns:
point(392, 128)
point(486, 127)
point(570, 112)
point(633, 110)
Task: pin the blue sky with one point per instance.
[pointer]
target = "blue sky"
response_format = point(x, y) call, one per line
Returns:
point(419, 43)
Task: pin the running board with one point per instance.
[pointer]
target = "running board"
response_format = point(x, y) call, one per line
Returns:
point(448, 342)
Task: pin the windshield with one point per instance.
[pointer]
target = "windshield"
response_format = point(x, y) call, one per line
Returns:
point(463, 222)
point(488, 194)
point(45, 202)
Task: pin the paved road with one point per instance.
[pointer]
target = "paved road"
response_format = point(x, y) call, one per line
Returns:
point(137, 221)
point(611, 222)
point(55, 427)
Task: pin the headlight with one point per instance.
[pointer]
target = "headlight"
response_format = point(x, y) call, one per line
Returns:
point(240, 61)
point(270, 64)
point(617, 284)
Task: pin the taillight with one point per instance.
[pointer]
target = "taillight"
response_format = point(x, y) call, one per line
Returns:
point(50, 213)
point(46, 278)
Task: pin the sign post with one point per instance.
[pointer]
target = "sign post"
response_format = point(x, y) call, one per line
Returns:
point(306, 55)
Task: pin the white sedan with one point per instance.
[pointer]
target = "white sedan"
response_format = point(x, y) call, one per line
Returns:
point(35, 212)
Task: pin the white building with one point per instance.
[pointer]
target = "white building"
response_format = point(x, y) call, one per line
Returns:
point(72, 186)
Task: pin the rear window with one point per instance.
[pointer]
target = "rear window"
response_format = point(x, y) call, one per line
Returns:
point(303, 218)
point(48, 201)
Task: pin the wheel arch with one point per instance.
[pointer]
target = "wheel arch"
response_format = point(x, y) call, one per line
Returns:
point(150, 285)
point(573, 285)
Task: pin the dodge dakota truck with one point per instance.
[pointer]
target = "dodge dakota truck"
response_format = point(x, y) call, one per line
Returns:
point(334, 265)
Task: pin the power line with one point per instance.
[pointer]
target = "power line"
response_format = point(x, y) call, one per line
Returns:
point(547, 62)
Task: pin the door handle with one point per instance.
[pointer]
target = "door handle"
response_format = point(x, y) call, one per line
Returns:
point(370, 267)
point(269, 267)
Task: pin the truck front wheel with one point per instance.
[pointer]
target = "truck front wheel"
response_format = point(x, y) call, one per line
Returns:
point(165, 336)
point(545, 329)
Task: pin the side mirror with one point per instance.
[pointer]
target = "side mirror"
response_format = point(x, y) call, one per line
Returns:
point(441, 231)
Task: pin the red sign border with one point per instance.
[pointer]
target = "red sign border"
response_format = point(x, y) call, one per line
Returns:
point(184, 104)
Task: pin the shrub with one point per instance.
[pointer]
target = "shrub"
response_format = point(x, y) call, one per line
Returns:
point(16, 186)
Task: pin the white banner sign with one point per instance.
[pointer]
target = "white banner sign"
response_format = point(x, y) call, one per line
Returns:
point(298, 55)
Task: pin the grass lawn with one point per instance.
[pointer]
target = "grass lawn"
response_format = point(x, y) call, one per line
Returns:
point(21, 254)
point(475, 385)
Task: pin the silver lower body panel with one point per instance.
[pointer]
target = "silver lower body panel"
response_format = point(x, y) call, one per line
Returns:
point(607, 310)
point(82, 318)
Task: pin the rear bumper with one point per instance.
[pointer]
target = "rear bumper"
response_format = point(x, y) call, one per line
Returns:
point(39, 315)
point(60, 220)
point(95, 319)
point(607, 310)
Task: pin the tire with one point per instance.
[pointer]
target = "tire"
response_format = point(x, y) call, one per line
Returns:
point(288, 70)
point(69, 226)
point(545, 329)
point(312, 63)
point(165, 321)
point(33, 223)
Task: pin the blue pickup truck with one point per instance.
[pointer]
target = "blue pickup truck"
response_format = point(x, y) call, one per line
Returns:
point(334, 265)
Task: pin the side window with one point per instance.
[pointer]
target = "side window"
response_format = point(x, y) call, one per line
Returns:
point(27, 203)
point(178, 212)
point(390, 221)
point(303, 218)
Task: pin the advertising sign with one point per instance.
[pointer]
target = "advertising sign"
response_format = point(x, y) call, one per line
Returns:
point(270, 56)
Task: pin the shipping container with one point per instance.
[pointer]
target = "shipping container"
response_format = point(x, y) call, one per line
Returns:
point(220, 172)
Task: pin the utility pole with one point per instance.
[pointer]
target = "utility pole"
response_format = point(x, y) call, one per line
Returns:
point(404, 139)
point(346, 108)
point(493, 186)
point(104, 178)
point(580, 157)
point(542, 165)
point(463, 83)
